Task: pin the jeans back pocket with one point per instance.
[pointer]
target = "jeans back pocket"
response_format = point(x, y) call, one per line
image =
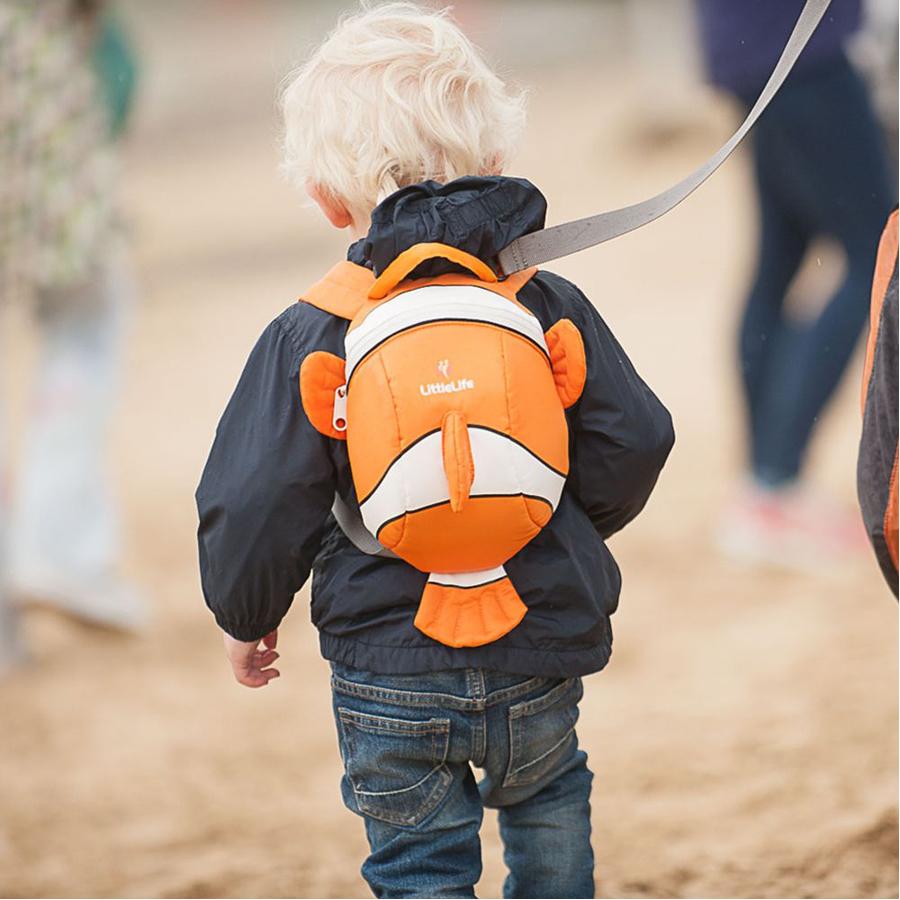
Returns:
point(396, 767)
point(540, 732)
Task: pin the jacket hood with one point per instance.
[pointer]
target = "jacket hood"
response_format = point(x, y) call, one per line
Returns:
point(480, 215)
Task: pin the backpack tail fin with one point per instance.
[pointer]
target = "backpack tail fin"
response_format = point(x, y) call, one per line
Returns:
point(469, 609)
point(459, 466)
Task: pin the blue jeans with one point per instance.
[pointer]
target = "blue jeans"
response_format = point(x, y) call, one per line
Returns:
point(820, 169)
point(409, 743)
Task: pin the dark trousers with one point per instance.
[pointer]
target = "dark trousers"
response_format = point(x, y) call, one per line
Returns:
point(820, 171)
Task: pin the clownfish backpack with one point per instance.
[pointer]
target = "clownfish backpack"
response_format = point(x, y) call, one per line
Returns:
point(451, 399)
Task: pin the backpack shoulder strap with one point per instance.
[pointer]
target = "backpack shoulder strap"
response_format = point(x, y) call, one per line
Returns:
point(343, 291)
point(347, 287)
point(512, 284)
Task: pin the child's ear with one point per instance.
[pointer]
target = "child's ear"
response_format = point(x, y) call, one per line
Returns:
point(332, 207)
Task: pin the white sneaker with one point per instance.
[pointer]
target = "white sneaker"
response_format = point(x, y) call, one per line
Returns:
point(105, 602)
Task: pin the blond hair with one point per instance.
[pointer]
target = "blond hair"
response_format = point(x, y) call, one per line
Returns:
point(393, 96)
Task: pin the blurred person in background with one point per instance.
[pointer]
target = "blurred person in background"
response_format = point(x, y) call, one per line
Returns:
point(820, 171)
point(66, 77)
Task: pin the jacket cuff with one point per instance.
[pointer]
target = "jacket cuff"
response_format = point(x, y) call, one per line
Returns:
point(245, 631)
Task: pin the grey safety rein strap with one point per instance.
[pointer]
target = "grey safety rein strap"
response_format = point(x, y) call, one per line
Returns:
point(351, 523)
point(561, 240)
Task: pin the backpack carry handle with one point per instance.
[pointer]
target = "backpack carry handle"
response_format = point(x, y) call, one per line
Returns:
point(400, 267)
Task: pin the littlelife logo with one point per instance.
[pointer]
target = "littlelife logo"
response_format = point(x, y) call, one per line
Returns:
point(446, 387)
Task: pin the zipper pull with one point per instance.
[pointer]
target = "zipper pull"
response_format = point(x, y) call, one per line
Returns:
point(339, 421)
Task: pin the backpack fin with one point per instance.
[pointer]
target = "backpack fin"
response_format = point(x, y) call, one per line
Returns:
point(469, 609)
point(321, 376)
point(459, 466)
point(567, 359)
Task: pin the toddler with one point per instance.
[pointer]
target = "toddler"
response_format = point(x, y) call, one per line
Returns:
point(400, 133)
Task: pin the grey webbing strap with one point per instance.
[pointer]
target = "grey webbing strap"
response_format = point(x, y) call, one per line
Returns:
point(561, 240)
point(351, 523)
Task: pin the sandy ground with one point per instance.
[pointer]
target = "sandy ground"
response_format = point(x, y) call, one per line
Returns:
point(745, 734)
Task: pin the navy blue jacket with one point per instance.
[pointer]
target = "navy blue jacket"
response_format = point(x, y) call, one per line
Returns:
point(742, 39)
point(266, 493)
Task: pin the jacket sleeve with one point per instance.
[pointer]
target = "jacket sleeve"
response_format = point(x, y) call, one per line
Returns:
point(264, 495)
point(622, 432)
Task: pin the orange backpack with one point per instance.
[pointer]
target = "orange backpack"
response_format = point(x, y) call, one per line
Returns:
point(451, 400)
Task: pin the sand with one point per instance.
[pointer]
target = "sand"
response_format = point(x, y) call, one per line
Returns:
point(744, 736)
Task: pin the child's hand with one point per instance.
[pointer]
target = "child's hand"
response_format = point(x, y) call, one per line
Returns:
point(249, 663)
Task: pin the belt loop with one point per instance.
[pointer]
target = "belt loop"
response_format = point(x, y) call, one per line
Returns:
point(475, 684)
